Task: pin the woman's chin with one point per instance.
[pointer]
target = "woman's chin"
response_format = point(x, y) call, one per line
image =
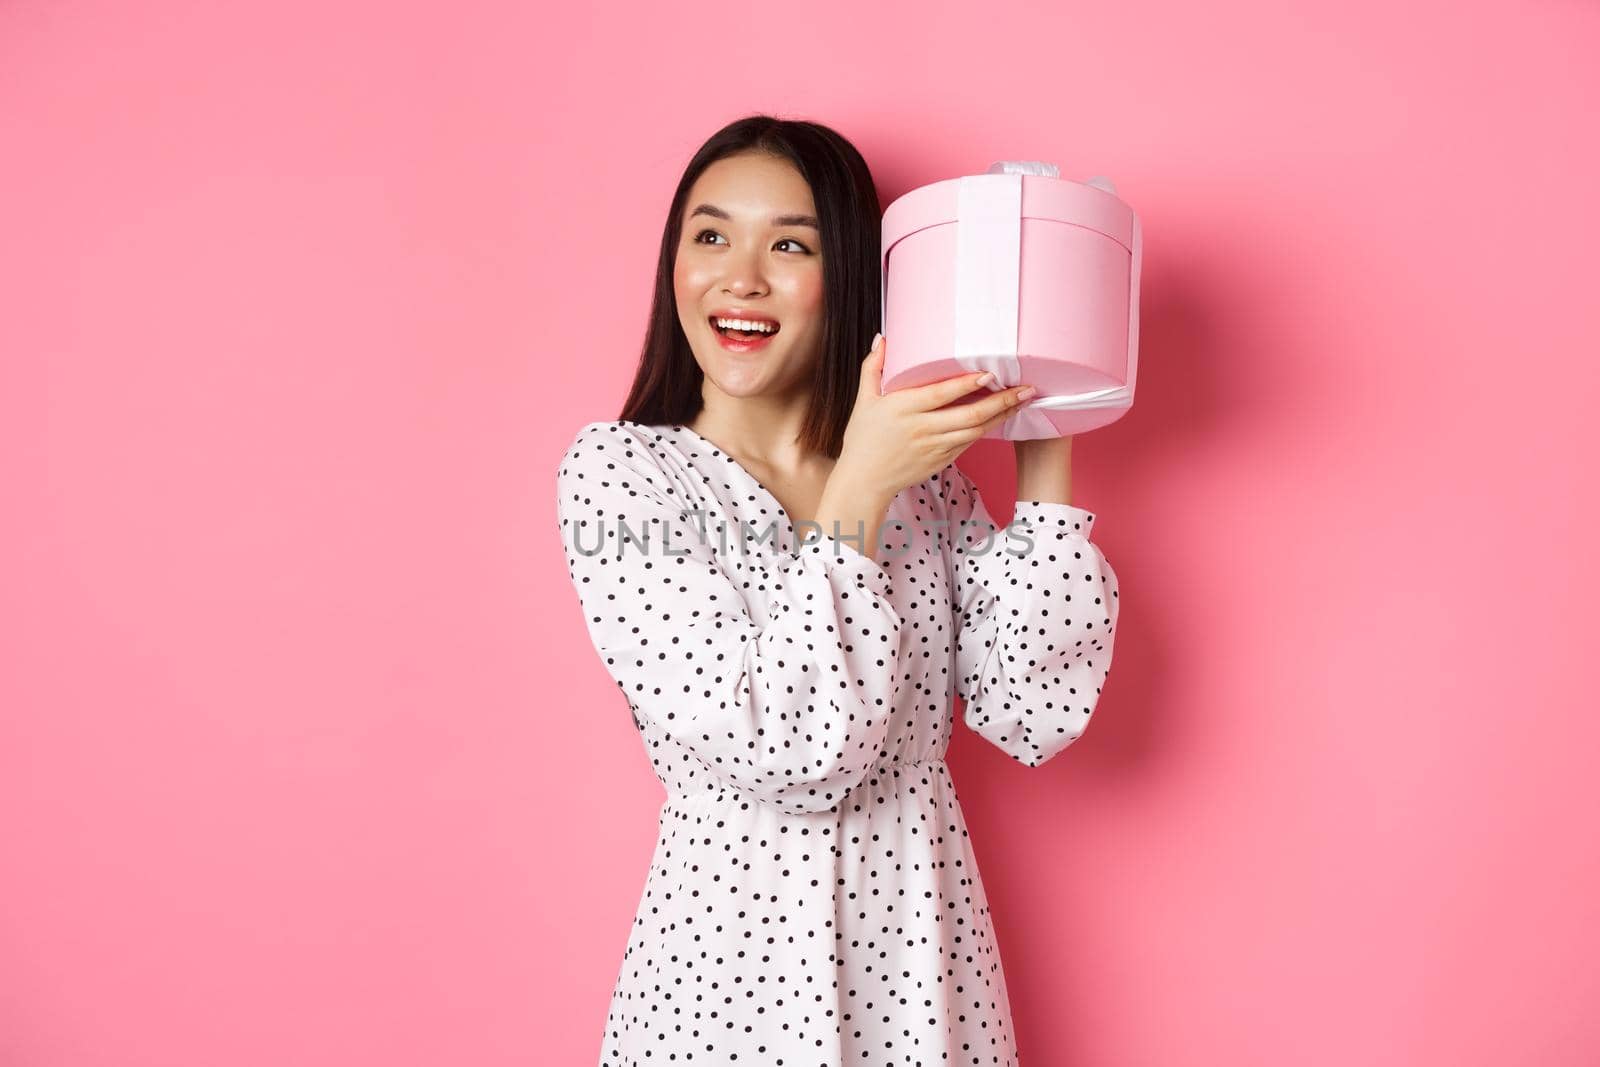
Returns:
point(746, 374)
point(739, 381)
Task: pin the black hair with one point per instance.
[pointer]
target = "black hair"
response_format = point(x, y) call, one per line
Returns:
point(666, 386)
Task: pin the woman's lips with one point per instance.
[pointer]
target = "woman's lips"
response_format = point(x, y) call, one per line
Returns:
point(734, 344)
point(739, 344)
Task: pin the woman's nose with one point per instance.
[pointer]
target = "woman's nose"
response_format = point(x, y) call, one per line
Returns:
point(744, 274)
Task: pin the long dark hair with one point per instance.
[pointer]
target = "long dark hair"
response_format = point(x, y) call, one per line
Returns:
point(666, 386)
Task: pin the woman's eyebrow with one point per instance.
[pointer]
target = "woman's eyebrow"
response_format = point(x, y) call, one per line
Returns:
point(777, 220)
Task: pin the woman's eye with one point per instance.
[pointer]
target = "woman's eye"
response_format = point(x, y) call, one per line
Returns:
point(785, 241)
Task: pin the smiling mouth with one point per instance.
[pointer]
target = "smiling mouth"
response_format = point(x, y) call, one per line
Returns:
point(743, 335)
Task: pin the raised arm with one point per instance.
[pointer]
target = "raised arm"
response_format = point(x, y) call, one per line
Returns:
point(1035, 612)
point(792, 707)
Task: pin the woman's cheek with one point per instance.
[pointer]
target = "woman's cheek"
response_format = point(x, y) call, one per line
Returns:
point(688, 299)
point(805, 292)
point(683, 275)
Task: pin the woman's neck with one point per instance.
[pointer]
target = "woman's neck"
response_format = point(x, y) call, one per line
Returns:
point(760, 436)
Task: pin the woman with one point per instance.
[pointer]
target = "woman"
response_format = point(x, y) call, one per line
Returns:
point(813, 899)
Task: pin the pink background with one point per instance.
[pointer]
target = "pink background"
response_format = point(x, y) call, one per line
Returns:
point(304, 755)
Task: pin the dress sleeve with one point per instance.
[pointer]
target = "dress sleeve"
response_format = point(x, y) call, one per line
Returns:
point(790, 705)
point(1035, 609)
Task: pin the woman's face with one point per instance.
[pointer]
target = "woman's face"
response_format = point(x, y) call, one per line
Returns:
point(750, 248)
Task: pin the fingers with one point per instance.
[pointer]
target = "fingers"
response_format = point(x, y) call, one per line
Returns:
point(872, 370)
point(876, 348)
point(979, 414)
point(872, 365)
point(924, 397)
point(991, 423)
point(959, 440)
point(936, 399)
point(936, 395)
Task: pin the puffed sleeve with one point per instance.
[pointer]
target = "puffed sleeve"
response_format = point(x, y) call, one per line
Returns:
point(793, 709)
point(1035, 612)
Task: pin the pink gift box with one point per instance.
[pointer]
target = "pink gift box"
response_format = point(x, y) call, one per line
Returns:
point(1023, 273)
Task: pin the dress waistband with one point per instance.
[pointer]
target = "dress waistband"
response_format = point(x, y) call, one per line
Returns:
point(910, 763)
point(937, 763)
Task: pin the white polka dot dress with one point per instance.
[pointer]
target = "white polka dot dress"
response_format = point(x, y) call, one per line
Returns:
point(813, 900)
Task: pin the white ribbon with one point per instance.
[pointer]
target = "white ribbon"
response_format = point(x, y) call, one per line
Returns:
point(988, 285)
point(988, 274)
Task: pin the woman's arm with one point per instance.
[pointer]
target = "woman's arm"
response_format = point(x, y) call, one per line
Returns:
point(852, 512)
point(792, 710)
point(1044, 470)
point(1035, 612)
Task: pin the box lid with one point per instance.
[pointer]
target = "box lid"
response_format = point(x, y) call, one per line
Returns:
point(1043, 197)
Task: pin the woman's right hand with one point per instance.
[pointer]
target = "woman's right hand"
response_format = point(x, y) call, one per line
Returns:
point(907, 436)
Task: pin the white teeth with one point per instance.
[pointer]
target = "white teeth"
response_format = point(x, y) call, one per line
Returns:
point(745, 324)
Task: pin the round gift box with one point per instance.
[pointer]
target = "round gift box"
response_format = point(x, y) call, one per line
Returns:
point(1075, 290)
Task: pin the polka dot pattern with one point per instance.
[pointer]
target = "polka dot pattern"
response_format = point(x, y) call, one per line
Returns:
point(1034, 621)
point(813, 897)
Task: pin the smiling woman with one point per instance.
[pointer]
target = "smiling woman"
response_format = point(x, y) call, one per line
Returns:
point(773, 221)
point(813, 898)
